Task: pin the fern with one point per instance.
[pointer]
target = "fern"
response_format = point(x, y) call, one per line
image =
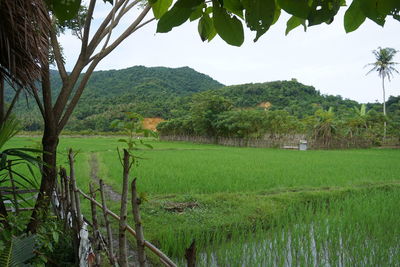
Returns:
point(5, 256)
point(18, 251)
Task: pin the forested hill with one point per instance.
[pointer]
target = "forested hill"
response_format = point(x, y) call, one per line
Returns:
point(150, 91)
point(179, 81)
point(296, 98)
point(169, 93)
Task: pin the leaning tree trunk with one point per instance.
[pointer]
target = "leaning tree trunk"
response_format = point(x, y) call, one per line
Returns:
point(49, 174)
point(49, 157)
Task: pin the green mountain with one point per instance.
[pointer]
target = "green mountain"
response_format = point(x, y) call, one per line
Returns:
point(153, 92)
point(167, 93)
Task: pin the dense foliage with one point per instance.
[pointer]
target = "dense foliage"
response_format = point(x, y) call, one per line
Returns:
point(213, 115)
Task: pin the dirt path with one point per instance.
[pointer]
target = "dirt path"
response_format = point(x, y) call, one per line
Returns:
point(94, 170)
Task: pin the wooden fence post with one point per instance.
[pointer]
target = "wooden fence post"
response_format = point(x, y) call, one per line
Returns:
point(190, 255)
point(67, 196)
point(123, 252)
point(75, 225)
point(75, 190)
point(95, 226)
point(138, 225)
point(62, 189)
point(107, 224)
point(14, 193)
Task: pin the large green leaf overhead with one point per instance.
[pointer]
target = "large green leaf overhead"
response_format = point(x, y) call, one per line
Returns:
point(160, 8)
point(354, 17)
point(228, 27)
point(298, 8)
point(206, 28)
point(258, 15)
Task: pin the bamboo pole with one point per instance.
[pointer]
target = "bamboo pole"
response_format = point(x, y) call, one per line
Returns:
point(164, 258)
point(107, 223)
point(13, 188)
point(138, 225)
point(123, 252)
point(95, 226)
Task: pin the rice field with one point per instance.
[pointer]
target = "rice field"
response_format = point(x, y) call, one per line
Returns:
point(343, 233)
point(257, 207)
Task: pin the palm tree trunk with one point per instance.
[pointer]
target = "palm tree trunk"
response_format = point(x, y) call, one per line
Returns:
point(384, 107)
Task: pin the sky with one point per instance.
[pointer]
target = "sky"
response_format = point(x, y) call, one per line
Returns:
point(324, 56)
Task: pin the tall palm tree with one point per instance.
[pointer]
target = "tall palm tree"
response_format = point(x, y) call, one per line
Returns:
point(385, 67)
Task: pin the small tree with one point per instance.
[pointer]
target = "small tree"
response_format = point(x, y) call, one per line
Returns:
point(132, 126)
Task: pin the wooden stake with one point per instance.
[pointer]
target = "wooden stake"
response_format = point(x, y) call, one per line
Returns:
point(190, 255)
point(75, 190)
point(75, 225)
point(123, 251)
point(107, 223)
point(95, 227)
point(138, 225)
point(62, 189)
point(67, 196)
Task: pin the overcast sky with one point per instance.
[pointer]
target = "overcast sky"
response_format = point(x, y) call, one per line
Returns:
point(324, 56)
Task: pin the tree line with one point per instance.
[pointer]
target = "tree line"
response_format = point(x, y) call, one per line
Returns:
point(213, 115)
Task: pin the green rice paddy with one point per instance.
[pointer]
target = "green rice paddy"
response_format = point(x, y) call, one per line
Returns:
point(257, 207)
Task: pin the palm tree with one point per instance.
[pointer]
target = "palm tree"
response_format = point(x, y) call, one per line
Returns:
point(385, 68)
